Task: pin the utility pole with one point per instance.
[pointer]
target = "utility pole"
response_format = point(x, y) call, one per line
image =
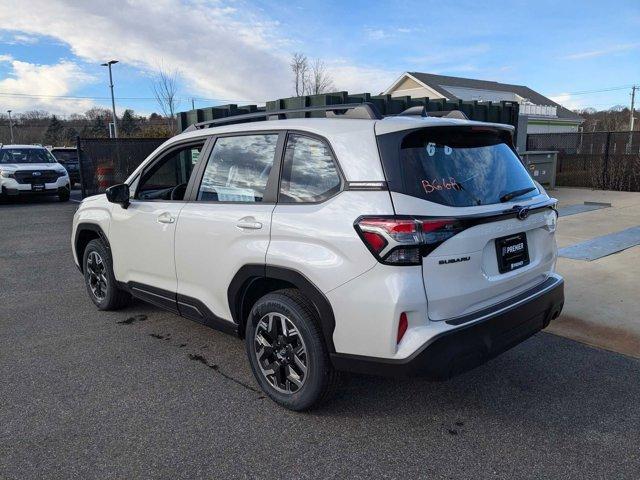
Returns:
point(10, 125)
point(113, 102)
point(193, 104)
point(633, 98)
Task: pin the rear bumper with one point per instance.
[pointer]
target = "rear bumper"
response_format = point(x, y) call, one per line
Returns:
point(473, 341)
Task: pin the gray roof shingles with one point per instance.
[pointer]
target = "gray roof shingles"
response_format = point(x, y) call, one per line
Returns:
point(437, 81)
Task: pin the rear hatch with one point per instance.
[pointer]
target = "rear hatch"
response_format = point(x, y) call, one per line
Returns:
point(488, 228)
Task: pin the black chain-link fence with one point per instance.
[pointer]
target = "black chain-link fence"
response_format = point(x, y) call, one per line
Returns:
point(603, 160)
point(109, 161)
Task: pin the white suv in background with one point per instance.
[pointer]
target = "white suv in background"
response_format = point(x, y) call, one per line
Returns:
point(31, 170)
point(405, 245)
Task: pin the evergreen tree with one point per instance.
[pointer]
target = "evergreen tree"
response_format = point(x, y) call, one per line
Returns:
point(53, 134)
point(99, 128)
point(155, 131)
point(129, 124)
point(85, 132)
point(69, 136)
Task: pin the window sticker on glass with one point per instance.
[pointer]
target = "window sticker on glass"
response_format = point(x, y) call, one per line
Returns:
point(234, 194)
point(431, 149)
point(442, 184)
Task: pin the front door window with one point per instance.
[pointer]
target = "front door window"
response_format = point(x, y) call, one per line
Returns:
point(168, 178)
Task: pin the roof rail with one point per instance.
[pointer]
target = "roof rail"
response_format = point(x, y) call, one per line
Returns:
point(421, 111)
point(348, 110)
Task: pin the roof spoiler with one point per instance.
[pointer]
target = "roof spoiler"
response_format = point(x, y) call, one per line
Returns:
point(421, 111)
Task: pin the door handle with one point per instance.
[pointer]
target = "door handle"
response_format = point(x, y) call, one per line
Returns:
point(166, 217)
point(248, 223)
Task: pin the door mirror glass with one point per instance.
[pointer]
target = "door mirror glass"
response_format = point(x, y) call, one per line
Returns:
point(119, 194)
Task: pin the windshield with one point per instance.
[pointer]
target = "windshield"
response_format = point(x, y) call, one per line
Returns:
point(455, 166)
point(65, 156)
point(26, 155)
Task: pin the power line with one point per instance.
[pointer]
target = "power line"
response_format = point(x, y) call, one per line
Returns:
point(587, 92)
point(89, 97)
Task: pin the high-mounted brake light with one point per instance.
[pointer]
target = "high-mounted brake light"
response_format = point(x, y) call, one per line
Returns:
point(404, 241)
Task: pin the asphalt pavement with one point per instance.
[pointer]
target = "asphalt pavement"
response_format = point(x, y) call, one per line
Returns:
point(142, 393)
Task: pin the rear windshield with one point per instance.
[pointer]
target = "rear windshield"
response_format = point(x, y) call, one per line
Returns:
point(26, 155)
point(65, 155)
point(455, 166)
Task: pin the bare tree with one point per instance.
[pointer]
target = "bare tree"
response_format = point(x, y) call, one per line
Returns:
point(300, 68)
point(319, 79)
point(98, 112)
point(165, 89)
point(613, 119)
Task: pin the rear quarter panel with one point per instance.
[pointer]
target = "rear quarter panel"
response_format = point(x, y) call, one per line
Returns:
point(320, 241)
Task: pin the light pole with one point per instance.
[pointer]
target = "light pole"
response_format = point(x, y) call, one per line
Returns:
point(113, 102)
point(10, 125)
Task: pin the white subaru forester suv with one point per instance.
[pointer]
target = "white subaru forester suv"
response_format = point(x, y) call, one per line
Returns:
point(27, 170)
point(406, 245)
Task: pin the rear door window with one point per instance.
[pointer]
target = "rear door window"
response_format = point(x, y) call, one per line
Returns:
point(455, 166)
point(238, 169)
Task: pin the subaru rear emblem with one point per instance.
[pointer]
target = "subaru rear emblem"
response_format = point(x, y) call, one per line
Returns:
point(523, 213)
point(36, 174)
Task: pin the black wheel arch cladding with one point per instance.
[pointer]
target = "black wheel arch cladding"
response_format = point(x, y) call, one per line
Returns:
point(253, 281)
point(85, 232)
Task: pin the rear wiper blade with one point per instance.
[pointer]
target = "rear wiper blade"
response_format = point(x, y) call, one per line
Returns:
point(516, 193)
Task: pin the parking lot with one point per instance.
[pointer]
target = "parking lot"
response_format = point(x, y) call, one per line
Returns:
point(141, 392)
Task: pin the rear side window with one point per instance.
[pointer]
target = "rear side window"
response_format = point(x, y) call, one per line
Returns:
point(238, 169)
point(309, 173)
point(455, 166)
point(64, 156)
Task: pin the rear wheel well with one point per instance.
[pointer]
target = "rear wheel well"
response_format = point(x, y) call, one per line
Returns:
point(252, 282)
point(254, 289)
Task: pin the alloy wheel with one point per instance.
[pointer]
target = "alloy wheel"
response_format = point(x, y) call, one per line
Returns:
point(281, 353)
point(97, 276)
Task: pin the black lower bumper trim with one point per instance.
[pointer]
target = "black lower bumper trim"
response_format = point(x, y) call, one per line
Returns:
point(15, 192)
point(459, 350)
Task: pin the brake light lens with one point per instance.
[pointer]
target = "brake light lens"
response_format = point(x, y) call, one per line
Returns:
point(404, 241)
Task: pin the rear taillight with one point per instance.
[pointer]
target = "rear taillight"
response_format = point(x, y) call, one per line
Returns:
point(404, 241)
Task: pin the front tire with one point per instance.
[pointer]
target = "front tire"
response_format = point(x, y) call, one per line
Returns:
point(287, 351)
point(64, 194)
point(99, 279)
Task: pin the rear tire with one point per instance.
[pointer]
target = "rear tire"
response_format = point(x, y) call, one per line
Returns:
point(99, 279)
point(287, 351)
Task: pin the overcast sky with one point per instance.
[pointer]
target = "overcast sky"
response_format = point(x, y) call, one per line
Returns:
point(238, 51)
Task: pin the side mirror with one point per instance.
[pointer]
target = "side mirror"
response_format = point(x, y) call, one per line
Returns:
point(119, 194)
